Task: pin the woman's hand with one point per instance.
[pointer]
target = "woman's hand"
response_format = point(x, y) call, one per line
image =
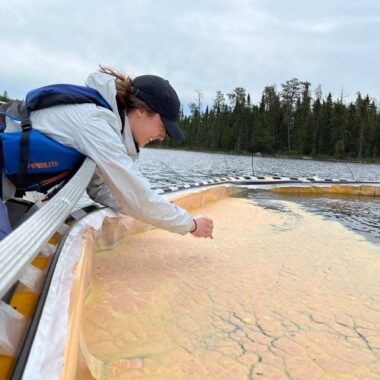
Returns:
point(202, 227)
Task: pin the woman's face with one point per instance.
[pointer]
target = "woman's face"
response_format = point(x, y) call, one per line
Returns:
point(145, 126)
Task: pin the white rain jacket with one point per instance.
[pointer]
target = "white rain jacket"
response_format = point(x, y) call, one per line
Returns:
point(96, 133)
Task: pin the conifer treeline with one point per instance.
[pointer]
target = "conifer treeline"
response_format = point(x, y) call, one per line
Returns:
point(288, 121)
point(4, 97)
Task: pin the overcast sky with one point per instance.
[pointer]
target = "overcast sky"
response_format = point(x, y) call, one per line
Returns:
point(205, 45)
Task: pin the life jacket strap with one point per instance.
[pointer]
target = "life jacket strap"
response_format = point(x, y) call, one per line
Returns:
point(26, 126)
point(1, 169)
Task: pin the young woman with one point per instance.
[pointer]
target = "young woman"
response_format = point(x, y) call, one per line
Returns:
point(143, 110)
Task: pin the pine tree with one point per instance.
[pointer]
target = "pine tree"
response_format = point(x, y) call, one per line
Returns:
point(303, 121)
point(4, 98)
point(316, 121)
point(289, 96)
point(325, 141)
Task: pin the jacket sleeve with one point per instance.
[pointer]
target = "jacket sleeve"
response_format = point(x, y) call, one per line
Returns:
point(99, 192)
point(130, 189)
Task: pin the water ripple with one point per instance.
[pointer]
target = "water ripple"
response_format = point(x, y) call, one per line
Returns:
point(361, 214)
point(165, 167)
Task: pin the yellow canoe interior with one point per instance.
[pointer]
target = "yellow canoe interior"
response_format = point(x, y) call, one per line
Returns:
point(274, 295)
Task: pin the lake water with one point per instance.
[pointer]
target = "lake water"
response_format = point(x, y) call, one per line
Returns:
point(361, 214)
point(164, 167)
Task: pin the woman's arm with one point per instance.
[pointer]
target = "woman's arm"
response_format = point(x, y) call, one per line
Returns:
point(99, 192)
point(98, 140)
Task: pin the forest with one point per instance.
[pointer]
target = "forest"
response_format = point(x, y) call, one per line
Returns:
point(286, 122)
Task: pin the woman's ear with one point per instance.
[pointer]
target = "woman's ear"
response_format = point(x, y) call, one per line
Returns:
point(140, 112)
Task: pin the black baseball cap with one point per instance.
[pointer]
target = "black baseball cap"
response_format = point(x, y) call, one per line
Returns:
point(161, 97)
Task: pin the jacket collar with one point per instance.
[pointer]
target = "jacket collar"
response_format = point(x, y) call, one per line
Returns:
point(105, 85)
point(128, 140)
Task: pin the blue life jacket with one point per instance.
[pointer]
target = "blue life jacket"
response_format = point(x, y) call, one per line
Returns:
point(31, 160)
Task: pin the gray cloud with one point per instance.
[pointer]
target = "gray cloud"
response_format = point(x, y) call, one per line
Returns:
point(209, 45)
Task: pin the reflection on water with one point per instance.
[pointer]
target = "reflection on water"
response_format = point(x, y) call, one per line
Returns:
point(360, 214)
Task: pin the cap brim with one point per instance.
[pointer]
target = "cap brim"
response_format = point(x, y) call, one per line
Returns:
point(172, 129)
